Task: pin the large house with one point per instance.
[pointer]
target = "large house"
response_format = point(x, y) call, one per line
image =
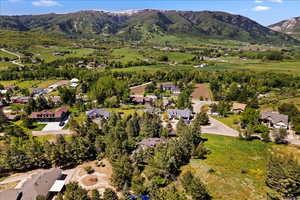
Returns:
point(180, 114)
point(274, 119)
point(42, 184)
point(238, 107)
point(49, 115)
point(21, 100)
point(98, 113)
point(171, 87)
point(151, 142)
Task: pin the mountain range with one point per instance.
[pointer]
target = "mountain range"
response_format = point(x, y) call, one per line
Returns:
point(145, 24)
point(290, 26)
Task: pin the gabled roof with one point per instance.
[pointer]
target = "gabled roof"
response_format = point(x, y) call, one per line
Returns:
point(38, 184)
point(98, 113)
point(186, 113)
point(151, 142)
point(238, 106)
point(274, 117)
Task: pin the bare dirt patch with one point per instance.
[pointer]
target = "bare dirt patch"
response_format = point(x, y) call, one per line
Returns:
point(138, 90)
point(201, 91)
point(90, 180)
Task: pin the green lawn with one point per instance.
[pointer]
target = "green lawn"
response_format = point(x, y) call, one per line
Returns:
point(231, 120)
point(235, 169)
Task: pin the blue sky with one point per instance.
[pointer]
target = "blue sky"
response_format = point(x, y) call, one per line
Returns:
point(263, 11)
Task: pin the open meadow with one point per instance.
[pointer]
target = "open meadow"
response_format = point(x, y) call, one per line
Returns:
point(235, 169)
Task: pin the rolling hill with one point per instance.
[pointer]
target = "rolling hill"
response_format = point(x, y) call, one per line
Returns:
point(290, 26)
point(145, 24)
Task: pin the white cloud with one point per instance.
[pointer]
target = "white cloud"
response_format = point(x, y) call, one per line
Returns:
point(276, 1)
point(45, 3)
point(259, 1)
point(261, 8)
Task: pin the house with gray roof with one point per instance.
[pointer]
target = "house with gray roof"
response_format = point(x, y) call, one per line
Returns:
point(274, 119)
point(37, 185)
point(98, 113)
point(151, 142)
point(179, 114)
point(171, 87)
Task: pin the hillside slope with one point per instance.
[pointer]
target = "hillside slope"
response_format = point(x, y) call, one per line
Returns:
point(144, 24)
point(290, 26)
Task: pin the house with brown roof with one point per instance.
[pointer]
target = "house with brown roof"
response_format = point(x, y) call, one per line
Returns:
point(49, 115)
point(238, 107)
point(41, 184)
point(274, 119)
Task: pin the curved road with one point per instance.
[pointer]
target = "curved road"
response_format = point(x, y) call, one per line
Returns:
point(17, 61)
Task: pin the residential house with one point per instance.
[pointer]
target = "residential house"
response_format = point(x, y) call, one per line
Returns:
point(39, 91)
point(41, 184)
point(274, 119)
point(180, 114)
point(21, 100)
point(151, 142)
point(137, 99)
point(49, 115)
point(238, 107)
point(98, 113)
point(152, 111)
point(171, 87)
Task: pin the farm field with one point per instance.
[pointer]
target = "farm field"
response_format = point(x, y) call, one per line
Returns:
point(202, 91)
point(290, 67)
point(47, 53)
point(29, 84)
point(235, 169)
point(139, 89)
point(153, 68)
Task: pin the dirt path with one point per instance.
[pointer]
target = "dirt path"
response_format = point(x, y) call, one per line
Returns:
point(17, 61)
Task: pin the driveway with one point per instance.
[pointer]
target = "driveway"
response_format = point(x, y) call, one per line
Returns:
point(52, 126)
point(197, 104)
point(219, 128)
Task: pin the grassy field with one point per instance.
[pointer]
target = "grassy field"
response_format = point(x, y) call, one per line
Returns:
point(4, 54)
point(235, 169)
point(291, 67)
point(153, 68)
point(47, 53)
point(29, 84)
point(5, 65)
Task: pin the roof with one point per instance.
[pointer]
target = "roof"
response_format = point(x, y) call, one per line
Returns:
point(49, 113)
point(238, 106)
point(57, 186)
point(151, 142)
point(180, 113)
point(38, 184)
point(274, 117)
point(74, 80)
point(95, 113)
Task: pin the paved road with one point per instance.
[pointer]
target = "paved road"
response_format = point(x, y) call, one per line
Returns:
point(58, 132)
point(218, 128)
